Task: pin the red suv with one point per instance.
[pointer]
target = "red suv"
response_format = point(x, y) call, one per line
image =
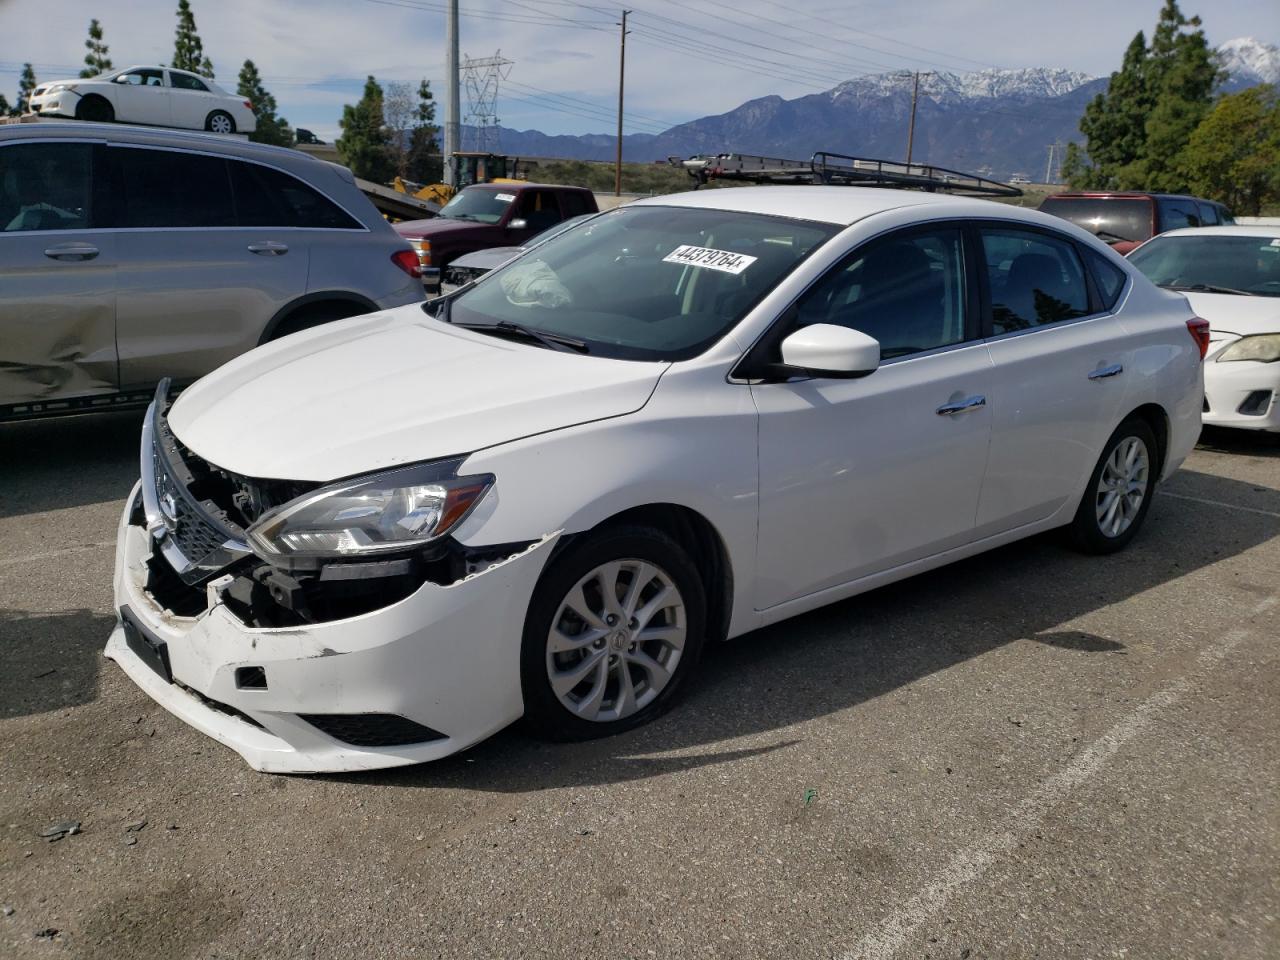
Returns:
point(1125, 220)
point(488, 215)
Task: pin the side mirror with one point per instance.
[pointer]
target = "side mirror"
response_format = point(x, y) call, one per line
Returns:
point(519, 223)
point(827, 350)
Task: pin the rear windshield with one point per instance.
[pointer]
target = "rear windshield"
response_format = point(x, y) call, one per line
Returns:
point(1213, 264)
point(1112, 220)
point(645, 283)
point(481, 206)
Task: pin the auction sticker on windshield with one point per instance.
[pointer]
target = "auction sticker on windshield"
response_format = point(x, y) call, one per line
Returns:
point(725, 261)
point(506, 197)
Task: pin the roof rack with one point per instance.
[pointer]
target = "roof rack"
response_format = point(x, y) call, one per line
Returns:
point(839, 169)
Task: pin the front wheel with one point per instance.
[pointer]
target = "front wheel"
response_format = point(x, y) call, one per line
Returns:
point(1119, 493)
point(95, 110)
point(615, 627)
point(220, 122)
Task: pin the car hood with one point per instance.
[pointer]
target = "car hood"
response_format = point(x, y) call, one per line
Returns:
point(417, 229)
point(391, 388)
point(1231, 313)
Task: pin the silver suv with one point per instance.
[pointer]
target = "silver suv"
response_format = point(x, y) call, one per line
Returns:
point(129, 254)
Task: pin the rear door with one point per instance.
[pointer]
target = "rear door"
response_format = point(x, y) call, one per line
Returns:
point(190, 101)
point(196, 286)
point(1059, 360)
point(57, 273)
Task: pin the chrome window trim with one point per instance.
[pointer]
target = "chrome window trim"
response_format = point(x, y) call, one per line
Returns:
point(1057, 324)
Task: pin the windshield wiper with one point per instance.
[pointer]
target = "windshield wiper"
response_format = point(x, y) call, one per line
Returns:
point(1209, 288)
point(553, 341)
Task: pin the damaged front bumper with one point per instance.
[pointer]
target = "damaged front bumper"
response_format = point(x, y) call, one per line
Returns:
point(442, 665)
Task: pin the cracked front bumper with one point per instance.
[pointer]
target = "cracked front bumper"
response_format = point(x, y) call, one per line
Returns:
point(446, 657)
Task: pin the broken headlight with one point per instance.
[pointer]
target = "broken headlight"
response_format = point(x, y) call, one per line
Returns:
point(382, 513)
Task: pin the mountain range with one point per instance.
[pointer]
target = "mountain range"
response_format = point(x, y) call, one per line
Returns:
point(998, 123)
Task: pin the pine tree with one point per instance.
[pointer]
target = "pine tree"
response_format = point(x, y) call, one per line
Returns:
point(363, 145)
point(1234, 154)
point(425, 163)
point(271, 128)
point(1114, 124)
point(5, 109)
point(26, 83)
point(96, 60)
point(188, 50)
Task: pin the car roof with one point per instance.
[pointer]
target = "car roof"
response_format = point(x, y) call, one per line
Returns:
point(154, 136)
point(1125, 195)
point(837, 205)
point(1237, 230)
point(525, 185)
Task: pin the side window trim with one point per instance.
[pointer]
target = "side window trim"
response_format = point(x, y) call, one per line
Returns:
point(359, 228)
point(1096, 308)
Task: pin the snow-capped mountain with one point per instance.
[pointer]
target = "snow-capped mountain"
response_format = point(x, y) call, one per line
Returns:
point(1249, 61)
point(979, 85)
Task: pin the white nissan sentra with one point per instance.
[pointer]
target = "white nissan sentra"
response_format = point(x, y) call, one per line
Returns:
point(382, 540)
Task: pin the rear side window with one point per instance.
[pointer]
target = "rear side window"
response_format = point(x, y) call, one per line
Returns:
point(1034, 279)
point(265, 197)
point(46, 186)
point(1108, 277)
point(905, 291)
point(1178, 213)
point(575, 204)
point(182, 81)
point(167, 188)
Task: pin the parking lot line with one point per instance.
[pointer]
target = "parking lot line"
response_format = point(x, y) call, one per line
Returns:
point(970, 864)
point(1219, 503)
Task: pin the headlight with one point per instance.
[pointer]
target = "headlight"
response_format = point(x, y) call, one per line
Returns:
point(1264, 348)
point(396, 510)
point(60, 86)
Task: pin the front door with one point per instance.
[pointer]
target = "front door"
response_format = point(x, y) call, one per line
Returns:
point(57, 275)
point(142, 97)
point(861, 476)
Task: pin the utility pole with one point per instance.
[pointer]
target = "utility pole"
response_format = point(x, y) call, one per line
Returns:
point(622, 76)
point(1048, 170)
point(911, 126)
point(453, 117)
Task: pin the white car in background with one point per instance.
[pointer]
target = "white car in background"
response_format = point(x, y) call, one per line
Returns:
point(156, 96)
point(378, 542)
point(1231, 276)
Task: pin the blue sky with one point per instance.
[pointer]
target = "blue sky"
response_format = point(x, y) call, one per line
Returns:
point(685, 58)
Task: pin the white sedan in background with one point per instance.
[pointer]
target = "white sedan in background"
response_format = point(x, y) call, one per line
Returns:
point(156, 96)
point(682, 420)
point(1231, 276)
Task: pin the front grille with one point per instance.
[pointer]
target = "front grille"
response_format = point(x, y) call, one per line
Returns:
point(371, 729)
point(189, 527)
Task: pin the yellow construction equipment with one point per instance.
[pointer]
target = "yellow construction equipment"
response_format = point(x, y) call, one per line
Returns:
point(469, 168)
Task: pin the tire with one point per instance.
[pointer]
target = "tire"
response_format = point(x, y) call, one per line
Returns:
point(1105, 523)
point(95, 109)
point(220, 122)
point(631, 679)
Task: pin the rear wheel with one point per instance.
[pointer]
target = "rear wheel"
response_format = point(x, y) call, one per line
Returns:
point(314, 316)
point(615, 627)
point(220, 122)
point(1118, 496)
point(95, 109)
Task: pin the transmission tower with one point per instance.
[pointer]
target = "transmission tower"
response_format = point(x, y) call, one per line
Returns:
point(482, 77)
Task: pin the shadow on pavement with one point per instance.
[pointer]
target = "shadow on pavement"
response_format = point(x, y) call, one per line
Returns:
point(50, 660)
point(840, 656)
point(67, 462)
point(1248, 442)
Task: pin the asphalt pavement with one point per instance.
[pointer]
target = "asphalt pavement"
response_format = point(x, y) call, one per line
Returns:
point(1029, 754)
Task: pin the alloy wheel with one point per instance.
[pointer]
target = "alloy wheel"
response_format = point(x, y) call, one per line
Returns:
point(616, 640)
point(1122, 486)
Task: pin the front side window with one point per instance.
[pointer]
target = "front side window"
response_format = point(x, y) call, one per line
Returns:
point(168, 188)
point(1213, 264)
point(480, 206)
point(184, 81)
point(145, 77)
point(46, 186)
point(271, 198)
point(1034, 279)
point(906, 291)
point(645, 282)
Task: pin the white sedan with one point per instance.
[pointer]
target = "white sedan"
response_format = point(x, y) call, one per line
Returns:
point(1231, 276)
point(378, 542)
point(157, 96)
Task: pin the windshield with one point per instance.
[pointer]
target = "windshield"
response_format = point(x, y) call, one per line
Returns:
point(645, 283)
point(1111, 220)
point(483, 206)
point(1216, 264)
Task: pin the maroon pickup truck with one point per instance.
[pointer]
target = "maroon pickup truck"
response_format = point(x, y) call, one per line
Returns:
point(490, 215)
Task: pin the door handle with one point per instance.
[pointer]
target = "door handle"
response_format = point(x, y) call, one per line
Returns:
point(1103, 372)
point(962, 406)
point(75, 250)
point(269, 248)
